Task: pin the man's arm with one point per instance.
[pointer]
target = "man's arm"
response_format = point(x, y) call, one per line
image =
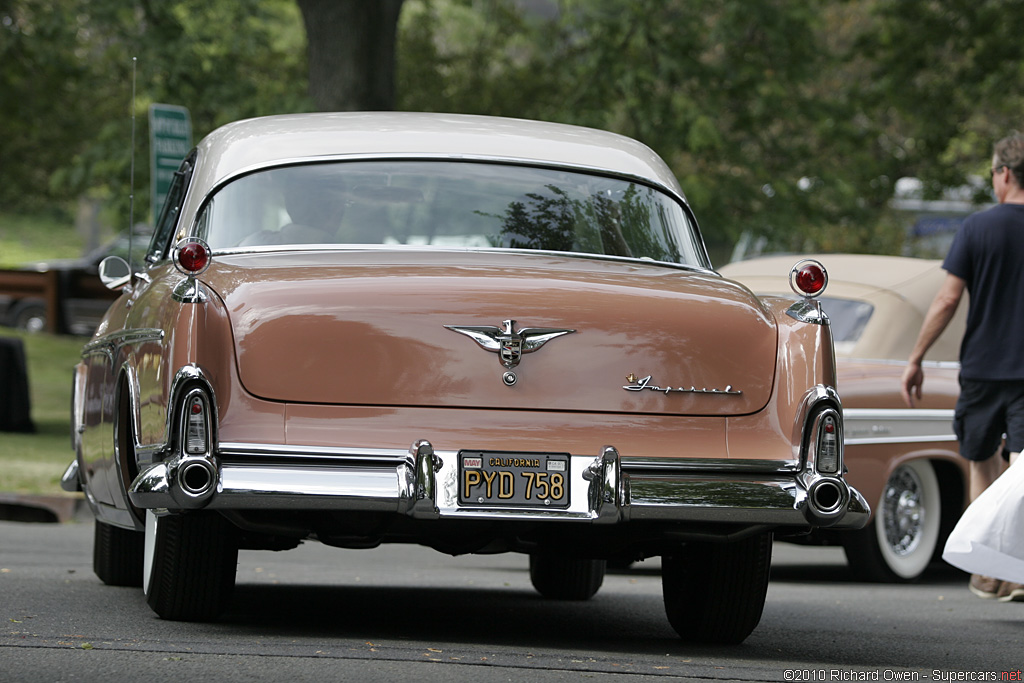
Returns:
point(944, 305)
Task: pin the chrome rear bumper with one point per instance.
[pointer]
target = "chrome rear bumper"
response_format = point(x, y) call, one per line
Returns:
point(423, 484)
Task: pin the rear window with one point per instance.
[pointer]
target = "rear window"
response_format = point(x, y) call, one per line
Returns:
point(451, 205)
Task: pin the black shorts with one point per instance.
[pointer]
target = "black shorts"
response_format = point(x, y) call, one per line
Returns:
point(986, 412)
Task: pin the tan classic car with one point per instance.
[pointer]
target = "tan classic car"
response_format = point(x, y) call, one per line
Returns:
point(475, 334)
point(905, 461)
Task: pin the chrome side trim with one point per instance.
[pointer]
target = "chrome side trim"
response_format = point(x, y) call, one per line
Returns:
point(110, 345)
point(898, 425)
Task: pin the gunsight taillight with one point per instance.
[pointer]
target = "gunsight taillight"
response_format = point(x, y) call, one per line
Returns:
point(808, 278)
point(191, 256)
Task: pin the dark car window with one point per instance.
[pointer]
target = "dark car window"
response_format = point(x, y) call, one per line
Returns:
point(172, 208)
point(451, 204)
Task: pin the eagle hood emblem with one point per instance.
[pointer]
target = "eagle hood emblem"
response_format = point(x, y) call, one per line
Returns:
point(510, 344)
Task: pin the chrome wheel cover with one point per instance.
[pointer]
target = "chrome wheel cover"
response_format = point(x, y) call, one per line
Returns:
point(903, 511)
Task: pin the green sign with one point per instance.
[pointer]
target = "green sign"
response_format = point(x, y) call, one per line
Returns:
point(170, 139)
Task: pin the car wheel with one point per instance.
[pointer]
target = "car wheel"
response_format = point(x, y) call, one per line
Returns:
point(117, 555)
point(904, 534)
point(29, 316)
point(715, 592)
point(566, 578)
point(189, 565)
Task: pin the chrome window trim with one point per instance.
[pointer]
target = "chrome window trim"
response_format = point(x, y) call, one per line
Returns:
point(298, 248)
point(458, 158)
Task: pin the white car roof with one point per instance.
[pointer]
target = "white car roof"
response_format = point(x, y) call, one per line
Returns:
point(251, 144)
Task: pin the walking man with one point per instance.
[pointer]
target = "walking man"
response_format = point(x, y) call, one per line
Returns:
point(987, 260)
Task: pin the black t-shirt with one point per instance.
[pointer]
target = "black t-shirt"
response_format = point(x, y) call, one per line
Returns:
point(988, 254)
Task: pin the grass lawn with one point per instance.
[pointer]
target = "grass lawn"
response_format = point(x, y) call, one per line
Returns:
point(24, 239)
point(34, 463)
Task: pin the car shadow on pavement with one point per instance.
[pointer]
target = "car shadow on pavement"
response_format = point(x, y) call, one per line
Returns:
point(467, 615)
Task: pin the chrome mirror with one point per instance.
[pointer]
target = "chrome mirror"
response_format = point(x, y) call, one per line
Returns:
point(114, 272)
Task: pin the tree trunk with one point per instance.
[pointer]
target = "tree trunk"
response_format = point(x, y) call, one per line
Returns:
point(351, 45)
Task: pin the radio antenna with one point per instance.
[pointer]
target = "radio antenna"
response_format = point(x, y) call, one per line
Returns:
point(131, 180)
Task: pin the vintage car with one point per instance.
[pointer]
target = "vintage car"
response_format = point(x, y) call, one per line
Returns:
point(905, 461)
point(476, 334)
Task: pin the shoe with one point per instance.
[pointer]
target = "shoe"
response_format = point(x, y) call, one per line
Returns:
point(1010, 592)
point(985, 586)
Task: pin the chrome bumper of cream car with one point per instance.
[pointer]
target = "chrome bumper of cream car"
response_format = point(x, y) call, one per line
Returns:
point(423, 483)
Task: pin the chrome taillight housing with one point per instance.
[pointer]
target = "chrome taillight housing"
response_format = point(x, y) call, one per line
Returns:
point(196, 424)
point(827, 447)
point(197, 433)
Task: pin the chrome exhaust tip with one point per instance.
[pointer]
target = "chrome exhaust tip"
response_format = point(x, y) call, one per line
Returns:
point(195, 481)
point(827, 499)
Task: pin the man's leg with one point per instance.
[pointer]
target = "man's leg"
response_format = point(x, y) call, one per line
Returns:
point(983, 473)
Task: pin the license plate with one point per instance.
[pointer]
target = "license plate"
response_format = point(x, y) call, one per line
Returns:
point(538, 480)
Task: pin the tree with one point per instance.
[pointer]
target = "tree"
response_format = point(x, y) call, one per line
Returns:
point(351, 47)
point(67, 82)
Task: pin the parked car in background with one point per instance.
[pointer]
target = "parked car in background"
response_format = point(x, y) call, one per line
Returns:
point(476, 334)
point(82, 298)
point(905, 461)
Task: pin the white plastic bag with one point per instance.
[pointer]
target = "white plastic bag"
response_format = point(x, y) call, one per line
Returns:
point(989, 538)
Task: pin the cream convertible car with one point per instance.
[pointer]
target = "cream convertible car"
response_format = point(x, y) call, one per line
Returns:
point(904, 461)
point(479, 335)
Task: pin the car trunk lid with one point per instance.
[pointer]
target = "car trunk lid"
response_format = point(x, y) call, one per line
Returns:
point(445, 329)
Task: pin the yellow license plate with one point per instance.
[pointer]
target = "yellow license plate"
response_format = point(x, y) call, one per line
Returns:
point(535, 480)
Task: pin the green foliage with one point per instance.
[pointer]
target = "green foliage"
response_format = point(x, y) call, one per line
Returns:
point(734, 95)
point(783, 119)
point(951, 74)
point(786, 119)
point(68, 64)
